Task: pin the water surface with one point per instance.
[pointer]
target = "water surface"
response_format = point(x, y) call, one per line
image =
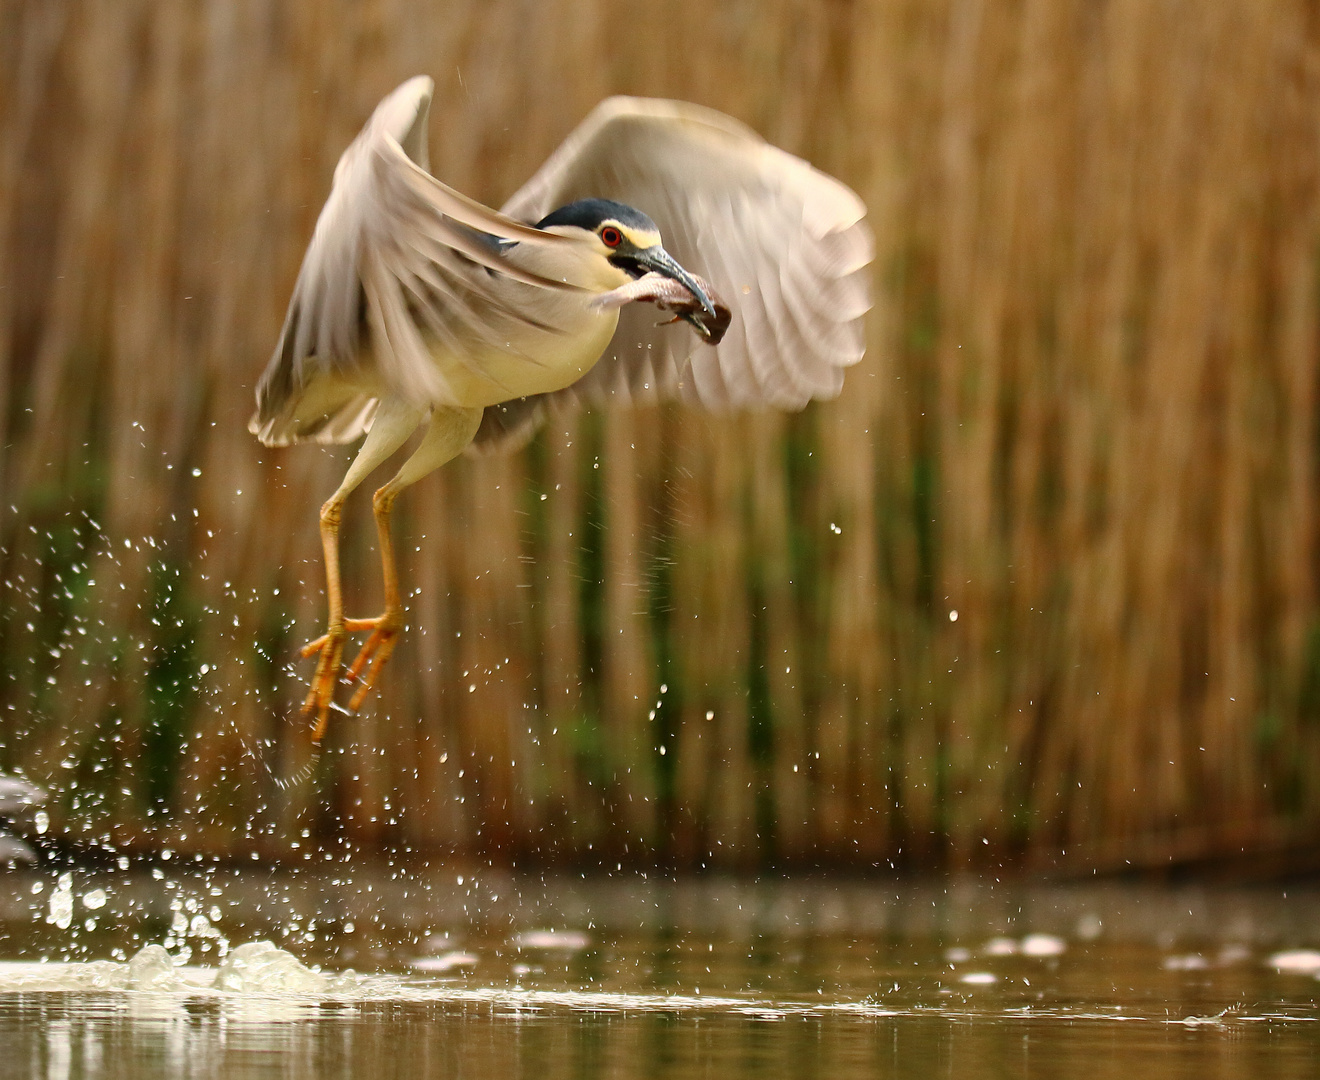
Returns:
point(384, 971)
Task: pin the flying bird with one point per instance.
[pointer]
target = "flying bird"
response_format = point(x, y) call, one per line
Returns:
point(417, 307)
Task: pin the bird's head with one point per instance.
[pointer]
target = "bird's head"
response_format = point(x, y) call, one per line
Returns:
point(627, 239)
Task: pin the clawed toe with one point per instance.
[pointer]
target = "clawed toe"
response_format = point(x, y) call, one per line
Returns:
point(375, 652)
point(330, 646)
point(329, 649)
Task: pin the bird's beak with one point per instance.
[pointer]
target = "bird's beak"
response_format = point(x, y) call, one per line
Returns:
point(658, 259)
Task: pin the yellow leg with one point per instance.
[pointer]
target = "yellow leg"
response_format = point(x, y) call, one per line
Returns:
point(384, 628)
point(448, 432)
point(393, 423)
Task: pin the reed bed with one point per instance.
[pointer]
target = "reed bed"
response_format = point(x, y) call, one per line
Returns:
point(1042, 580)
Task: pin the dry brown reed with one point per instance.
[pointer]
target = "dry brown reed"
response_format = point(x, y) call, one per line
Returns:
point(1087, 424)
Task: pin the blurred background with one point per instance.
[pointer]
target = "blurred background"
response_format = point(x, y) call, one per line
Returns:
point(1039, 589)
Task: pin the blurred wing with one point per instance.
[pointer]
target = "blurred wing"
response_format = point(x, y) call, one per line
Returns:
point(17, 795)
point(786, 246)
point(398, 254)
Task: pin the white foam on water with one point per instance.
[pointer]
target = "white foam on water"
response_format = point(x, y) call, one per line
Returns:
point(1296, 961)
point(1043, 945)
point(1000, 946)
point(18, 976)
point(255, 968)
point(259, 967)
point(450, 961)
point(1190, 962)
point(259, 983)
point(566, 940)
point(152, 969)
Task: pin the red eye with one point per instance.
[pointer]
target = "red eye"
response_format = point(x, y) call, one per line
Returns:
point(610, 236)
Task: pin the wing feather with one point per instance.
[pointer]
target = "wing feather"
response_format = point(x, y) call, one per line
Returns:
point(395, 251)
point(788, 246)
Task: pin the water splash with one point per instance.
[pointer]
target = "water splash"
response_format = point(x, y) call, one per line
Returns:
point(261, 967)
point(298, 777)
point(258, 967)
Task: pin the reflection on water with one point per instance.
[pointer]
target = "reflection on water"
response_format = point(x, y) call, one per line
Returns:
point(165, 971)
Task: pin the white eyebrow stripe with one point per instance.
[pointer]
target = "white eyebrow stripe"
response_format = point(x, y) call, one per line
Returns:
point(640, 238)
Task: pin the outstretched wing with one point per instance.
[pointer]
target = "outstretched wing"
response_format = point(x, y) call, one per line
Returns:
point(396, 254)
point(787, 246)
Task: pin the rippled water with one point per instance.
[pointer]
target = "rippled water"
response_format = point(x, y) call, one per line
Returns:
point(373, 971)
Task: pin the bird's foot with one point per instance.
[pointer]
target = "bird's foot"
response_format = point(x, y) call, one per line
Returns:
point(375, 651)
point(329, 649)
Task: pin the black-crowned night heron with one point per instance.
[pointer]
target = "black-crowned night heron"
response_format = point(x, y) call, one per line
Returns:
point(418, 307)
